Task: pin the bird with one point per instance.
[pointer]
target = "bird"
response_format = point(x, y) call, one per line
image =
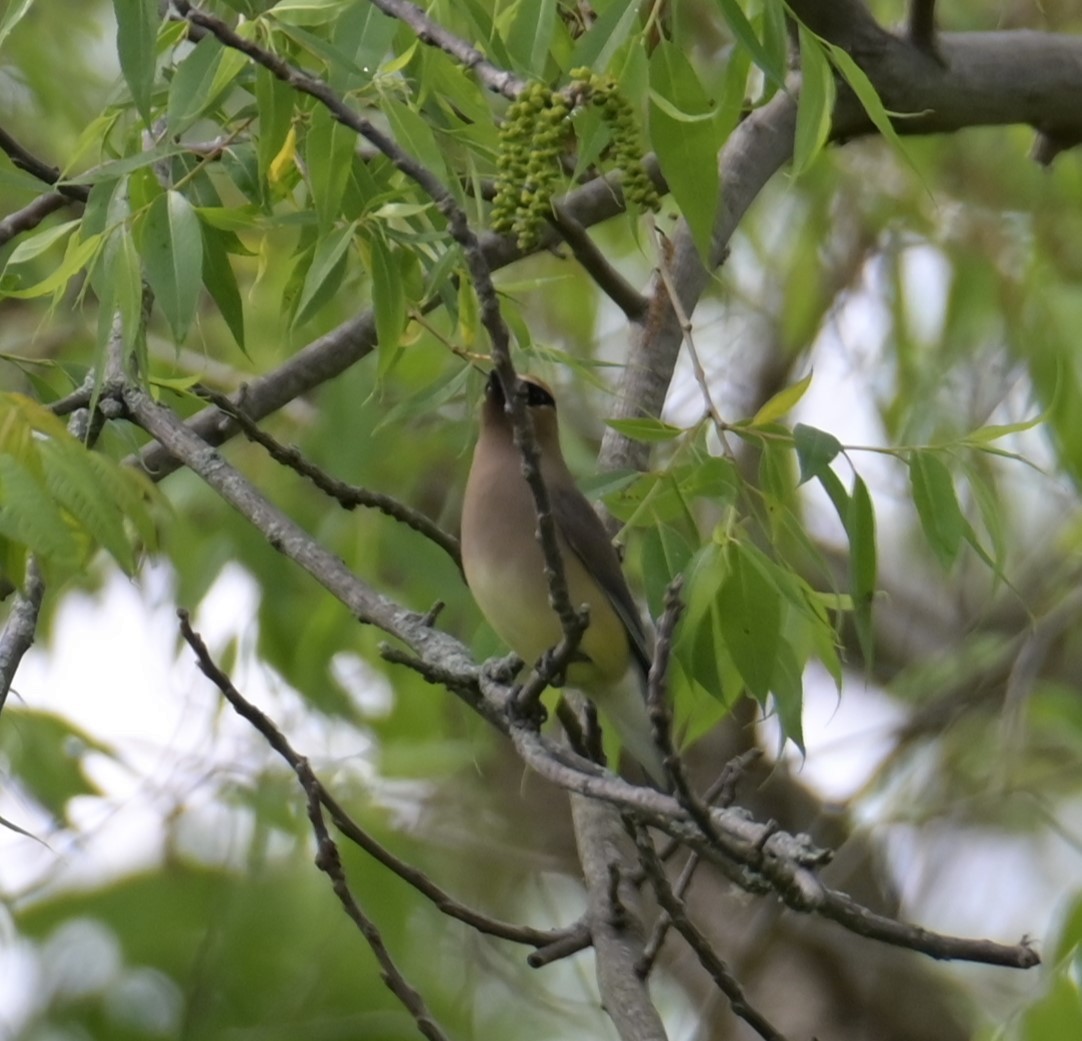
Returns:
point(505, 569)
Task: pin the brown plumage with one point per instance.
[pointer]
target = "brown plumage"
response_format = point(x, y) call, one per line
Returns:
point(504, 567)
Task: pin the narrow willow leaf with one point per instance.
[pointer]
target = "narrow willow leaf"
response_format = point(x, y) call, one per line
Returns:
point(329, 255)
point(274, 103)
point(686, 147)
point(788, 694)
point(78, 255)
point(75, 486)
point(596, 47)
point(858, 80)
point(749, 613)
point(781, 403)
point(388, 303)
point(815, 450)
point(221, 282)
point(937, 505)
point(983, 435)
point(745, 34)
point(415, 135)
point(308, 12)
point(531, 34)
point(123, 275)
point(12, 17)
point(815, 106)
point(136, 36)
point(191, 89)
point(328, 152)
point(863, 564)
point(38, 243)
point(172, 251)
point(30, 517)
point(648, 430)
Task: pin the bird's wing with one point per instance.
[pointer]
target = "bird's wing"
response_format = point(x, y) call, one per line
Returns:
point(586, 537)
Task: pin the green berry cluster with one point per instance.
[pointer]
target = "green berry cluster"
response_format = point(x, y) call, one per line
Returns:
point(531, 139)
point(529, 162)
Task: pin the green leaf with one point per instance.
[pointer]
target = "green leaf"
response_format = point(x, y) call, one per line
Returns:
point(388, 302)
point(46, 753)
point(857, 79)
point(136, 36)
point(781, 403)
point(648, 430)
point(73, 483)
point(747, 37)
point(860, 524)
point(329, 254)
point(994, 432)
point(14, 14)
point(328, 149)
point(687, 146)
point(39, 242)
point(122, 276)
point(788, 691)
point(749, 614)
point(937, 505)
point(815, 450)
point(274, 103)
point(596, 47)
point(193, 84)
point(30, 517)
point(172, 251)
point(308, 12)
point(815, 106)
point(531, 34)
point(415, 135)
point(77, 256)
point(221, 282)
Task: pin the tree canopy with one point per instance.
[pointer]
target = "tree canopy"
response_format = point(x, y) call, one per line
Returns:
point(807, 287)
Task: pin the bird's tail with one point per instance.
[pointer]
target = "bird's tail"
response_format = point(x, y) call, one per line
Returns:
point(624, 705)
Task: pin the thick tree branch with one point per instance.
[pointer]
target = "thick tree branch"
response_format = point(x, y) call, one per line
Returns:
point(31, 215)
point(615, 926)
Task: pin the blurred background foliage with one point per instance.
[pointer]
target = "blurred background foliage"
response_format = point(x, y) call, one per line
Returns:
point(932, 296)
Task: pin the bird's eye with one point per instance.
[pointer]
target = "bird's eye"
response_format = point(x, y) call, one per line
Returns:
point(537, 395)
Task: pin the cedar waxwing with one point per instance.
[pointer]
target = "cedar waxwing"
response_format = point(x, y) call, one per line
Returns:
point(505, 569)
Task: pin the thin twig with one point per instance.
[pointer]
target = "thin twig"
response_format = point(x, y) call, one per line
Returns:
point(346, 825)
point(498, 80)
point(665, 274)
point(661, 716)
point(350, 496)
point(617, 288)
point(723, 977)
point(38, 168)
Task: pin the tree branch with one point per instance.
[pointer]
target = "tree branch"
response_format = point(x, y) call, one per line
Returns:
point(498, 80)
point(346, 495)
point(19, 629)
point(721, 974)
point(616, 930)
point(272, 734)
point(597, 266)
point(38, 168)
point(31, 215)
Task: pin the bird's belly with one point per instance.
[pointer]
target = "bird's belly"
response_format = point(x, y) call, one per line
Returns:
point(513, 595)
